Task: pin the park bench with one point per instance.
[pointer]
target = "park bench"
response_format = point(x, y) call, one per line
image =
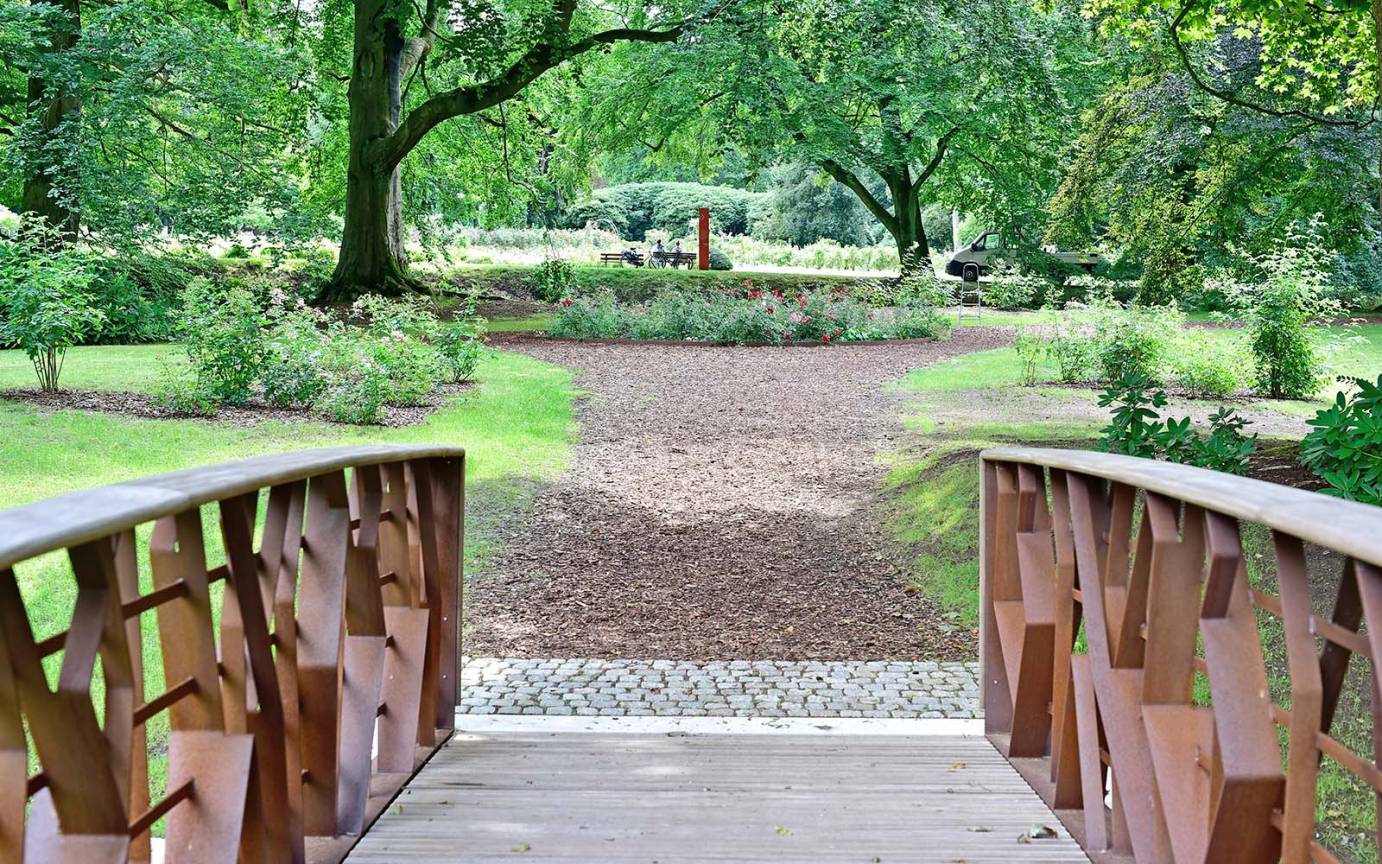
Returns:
point(621, 258)
point(675, 259)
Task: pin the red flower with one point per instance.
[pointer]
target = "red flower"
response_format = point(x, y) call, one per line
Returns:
point(566, 301)
point(826, 337)
point(787, 336)
point(770, 310)
point(755, 294)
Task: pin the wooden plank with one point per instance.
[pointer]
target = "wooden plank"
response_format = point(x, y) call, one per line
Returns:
point(680, 798)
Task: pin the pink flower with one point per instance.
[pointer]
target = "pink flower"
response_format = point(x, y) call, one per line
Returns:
point(566, 302)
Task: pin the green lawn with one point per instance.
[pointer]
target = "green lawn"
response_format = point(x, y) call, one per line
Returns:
point(521, 323)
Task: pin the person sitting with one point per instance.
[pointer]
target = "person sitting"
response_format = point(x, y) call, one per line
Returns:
point(631, 256)
point(676, 254)
point(659, 255)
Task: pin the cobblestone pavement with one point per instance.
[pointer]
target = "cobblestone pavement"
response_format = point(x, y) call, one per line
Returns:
point(743, 688)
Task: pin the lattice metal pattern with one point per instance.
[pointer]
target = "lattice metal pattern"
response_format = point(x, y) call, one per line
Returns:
point(297, 704)
point(1110, 584)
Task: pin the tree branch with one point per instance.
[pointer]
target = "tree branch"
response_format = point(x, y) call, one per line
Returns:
point(935, 162)
point(847, 178)
point(388, 152)
point(1184, 54)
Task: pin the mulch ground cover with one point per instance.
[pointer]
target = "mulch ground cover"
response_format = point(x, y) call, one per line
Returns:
point(722, 502)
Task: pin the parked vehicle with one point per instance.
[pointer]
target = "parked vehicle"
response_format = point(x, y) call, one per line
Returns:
point(990, 252)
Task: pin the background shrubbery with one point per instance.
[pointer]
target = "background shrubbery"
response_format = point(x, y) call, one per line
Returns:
point(387, 352)
point(633, 209)
point(749, 315)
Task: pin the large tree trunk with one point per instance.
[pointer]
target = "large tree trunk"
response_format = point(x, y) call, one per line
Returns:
point(372, 257)
point(913, 251)
point(49, 190)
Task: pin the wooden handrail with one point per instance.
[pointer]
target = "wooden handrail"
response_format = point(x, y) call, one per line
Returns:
point(1107, 584)
point(294, 718)
point(75, 518)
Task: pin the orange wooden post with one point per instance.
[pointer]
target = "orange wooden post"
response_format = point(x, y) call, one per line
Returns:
point(703, 248)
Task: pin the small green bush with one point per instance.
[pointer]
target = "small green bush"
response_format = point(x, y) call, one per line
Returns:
point(1288, 294)
point(1137, 428)
point(1031, 346)
point(392, 352)
point(752, 316)
point(293, 346)
point(1207, 369)
point(1345, 446)
point(222, 329)
point(182, 394)
point(553, 280)
point(719, 260)
point(1136, 340)
point(1071, 346)
point(356, 386)
point(45, 303)
point(1013, 289)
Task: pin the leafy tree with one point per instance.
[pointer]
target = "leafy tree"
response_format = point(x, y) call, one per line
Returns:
point(487, 54)
point(802, 209)
point(1317, 62)
point(1173, 175)
point(931, 100)
point(186, 126)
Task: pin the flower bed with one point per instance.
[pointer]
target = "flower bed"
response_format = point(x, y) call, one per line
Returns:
point(747, 316)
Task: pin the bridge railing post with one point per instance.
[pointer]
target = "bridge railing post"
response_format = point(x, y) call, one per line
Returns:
point(285, 727)
point(1122, 634)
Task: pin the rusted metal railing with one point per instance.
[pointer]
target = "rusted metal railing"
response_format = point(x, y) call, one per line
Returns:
point(1123, 659)
point(306, 678)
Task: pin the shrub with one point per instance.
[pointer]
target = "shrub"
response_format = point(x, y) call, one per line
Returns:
point(45, 305)
point(1071, 346)
point(458, 342)
point(1345, 446)
point(749, 316)
point(1134, 340)
point(919, 288)
point(589, 318)
point(293, 346)
point(1135, 422)
point(553, 280)
point(412, 369)
point(905, 323)
point(1279, 308)
point(1014, 289)
point(719, 260)
point(222, 330)
point(1205, 368)
point(1030, 346)
point(355, 385)
point(183, 395)
point(1137, 429)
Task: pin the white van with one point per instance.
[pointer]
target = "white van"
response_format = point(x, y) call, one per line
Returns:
point(990, 253)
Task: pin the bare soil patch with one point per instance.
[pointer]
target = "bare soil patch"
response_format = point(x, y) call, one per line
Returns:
point(722, 503)
point(250, 414)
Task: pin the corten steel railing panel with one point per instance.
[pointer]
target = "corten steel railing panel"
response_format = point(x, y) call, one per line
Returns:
point(336, 626)
point(1107, 584)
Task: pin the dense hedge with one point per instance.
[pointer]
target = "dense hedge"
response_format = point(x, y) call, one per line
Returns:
point(633, 209)
point(639, 285)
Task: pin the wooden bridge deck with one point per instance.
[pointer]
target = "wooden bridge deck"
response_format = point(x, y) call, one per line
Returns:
point(676, 797)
